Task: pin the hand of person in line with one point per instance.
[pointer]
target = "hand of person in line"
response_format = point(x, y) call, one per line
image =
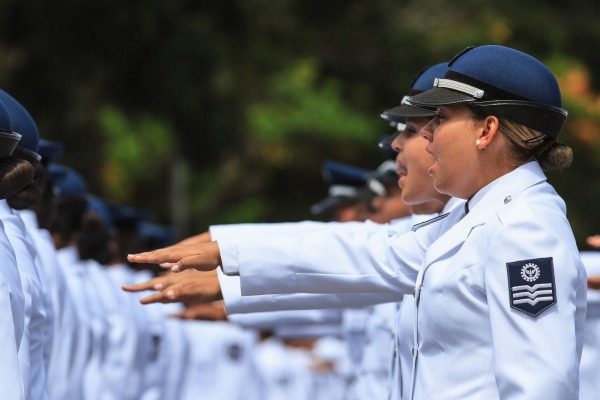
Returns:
point(214, 311)
point(196, 239)
point(201, 256)
point(593, 241)
point(189, 287)
point(593, 281)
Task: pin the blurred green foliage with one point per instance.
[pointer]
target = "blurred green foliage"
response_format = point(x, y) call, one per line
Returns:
point(204, 112)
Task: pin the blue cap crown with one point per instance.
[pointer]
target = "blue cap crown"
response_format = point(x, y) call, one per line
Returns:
point(65, 181)
point(503, 82)
point(335, 173)
point(50, 150)
point(510, 70)
point(424, 80)
point(5, 122)
point(22, 122)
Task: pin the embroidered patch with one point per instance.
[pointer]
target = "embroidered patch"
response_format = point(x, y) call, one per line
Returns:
point(429, 221)
point(531, 285)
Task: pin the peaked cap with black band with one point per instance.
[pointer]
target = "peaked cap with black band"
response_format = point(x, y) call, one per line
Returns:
point(8, 138)
point(421, 83)
point(503, 82)
point(346, 185)
point(23, 123)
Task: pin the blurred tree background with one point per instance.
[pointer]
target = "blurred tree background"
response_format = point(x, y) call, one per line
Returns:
point(207, 112)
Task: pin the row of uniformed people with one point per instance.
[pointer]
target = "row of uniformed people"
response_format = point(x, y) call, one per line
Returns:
point(105, 345)
point(68, 331)
point(500, 290)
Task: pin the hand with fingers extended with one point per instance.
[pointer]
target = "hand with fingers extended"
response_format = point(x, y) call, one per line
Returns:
point(214, 311)
point(203, 256)
point(189, 287)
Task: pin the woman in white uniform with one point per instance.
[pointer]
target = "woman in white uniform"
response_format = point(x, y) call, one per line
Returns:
point(499, 286)
point(14, 175)
point(34, 353)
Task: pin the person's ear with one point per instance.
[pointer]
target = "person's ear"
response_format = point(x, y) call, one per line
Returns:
point(489, 128)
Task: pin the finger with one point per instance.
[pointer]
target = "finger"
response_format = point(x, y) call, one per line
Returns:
point(140, 287)
point(167, 265)
point(170, 254)
point(206, 258)
point(167, 296)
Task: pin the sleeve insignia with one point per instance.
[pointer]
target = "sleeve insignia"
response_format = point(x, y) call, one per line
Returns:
point(531, 285)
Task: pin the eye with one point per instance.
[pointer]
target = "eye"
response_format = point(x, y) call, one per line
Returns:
point(410, 131)
point(440, 116)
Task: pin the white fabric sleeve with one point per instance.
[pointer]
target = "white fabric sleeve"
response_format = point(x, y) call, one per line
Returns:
point(273, 319)
point(235, 303)
point(349, 261)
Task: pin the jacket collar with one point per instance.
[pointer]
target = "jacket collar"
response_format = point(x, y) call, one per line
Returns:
point(482, 206)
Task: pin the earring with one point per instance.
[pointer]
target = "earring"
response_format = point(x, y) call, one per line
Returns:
point(477, 142)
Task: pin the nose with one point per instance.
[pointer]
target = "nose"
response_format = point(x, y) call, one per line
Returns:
point(397, 144)
point(427, 130)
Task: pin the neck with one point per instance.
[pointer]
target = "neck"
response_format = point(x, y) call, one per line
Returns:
point(430, 207)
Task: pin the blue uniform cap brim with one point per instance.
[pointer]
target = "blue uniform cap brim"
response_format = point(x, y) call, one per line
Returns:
point(436, 97)
point(386, 142)
point(8, 143)
point(398, 114)
point(329, 203)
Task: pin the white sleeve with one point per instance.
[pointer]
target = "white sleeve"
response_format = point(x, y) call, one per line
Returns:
point(331, 261)
point(273, 319)
point(535, 357)
point(235, 303)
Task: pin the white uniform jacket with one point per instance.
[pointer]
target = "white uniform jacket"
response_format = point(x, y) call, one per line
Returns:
point(12, 306)
point(481, 333)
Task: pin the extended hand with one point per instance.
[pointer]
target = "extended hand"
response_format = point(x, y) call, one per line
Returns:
point(179, 257)
point(189, 287)
point(593, 281)
point(593, 241)
point(214, 311)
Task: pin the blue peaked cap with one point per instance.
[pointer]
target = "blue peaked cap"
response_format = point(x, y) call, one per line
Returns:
point(124, 216)
point(336, 173)
point(101, 207)
point(50, 150)
point(8, 139)
point(66, 181)
point(345, 184)
point(5, 122)
point(156, 235)
point(23, 124)
point(422, 82)
point(503, 82)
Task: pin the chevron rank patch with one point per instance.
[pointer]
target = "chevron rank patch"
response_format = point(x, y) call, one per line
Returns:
point(531, 285)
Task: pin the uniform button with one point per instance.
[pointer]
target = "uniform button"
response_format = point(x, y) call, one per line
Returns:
point(507, 199)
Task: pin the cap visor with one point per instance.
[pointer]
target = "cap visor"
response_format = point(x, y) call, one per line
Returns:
point(439, 97)
point(8, 143)
point(328, 203)
point(405, 110)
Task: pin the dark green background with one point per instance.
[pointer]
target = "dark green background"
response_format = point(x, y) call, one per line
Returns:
point(222, 111)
